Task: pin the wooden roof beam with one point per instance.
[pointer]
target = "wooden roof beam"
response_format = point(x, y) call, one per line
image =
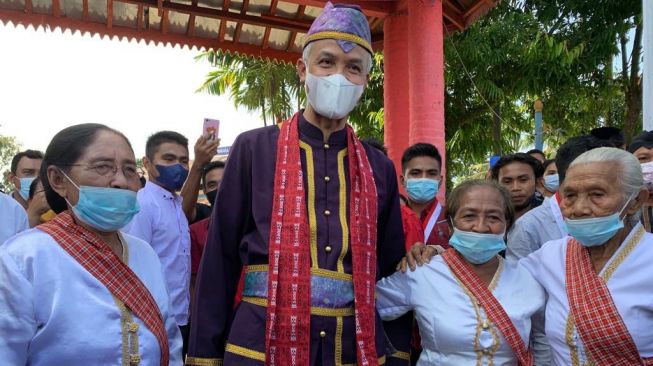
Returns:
point(239, 26)
point(266, 36)
point(139, 18)
point(165, 21)
point(223, 22)
point(375, 8)
point(29, 8)
point(191, 21)
point(109, 14)
point(274, 22)
point(293, 35)
point(474, 8)
point(85, 10)
point(450, 14)
point(56, 8)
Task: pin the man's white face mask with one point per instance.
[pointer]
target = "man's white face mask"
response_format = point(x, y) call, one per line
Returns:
point(332, 96)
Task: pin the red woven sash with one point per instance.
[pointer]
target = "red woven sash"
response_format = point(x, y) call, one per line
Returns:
point(287, 339)
point(495, 312)
point(599, 325)
point(98, 259)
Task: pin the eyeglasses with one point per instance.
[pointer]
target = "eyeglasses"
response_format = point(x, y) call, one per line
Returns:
point(130, 171)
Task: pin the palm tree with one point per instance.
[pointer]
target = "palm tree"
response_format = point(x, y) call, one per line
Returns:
point(256, 84)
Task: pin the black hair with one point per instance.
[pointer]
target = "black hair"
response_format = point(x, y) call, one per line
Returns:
point(523, 158)
point(161, 137)
point(376, 144)
point(210, 166)
point(453, 199)
point(66, 147)
point(573, 148)
point(612, 134)
point(644, 139)
point(536, 151)
point(546, 163)
point(420, 149)
point(30, 154)
point(32, 187)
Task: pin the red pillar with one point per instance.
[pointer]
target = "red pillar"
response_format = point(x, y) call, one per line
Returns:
point(395, 96)
point(426, 75)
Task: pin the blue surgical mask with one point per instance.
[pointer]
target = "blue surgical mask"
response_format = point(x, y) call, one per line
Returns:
point(552, 182)
point(105, 209)
point(477, 248)
point(596, 231)
point(422, 190)
point(172, 176)
point(24, 187)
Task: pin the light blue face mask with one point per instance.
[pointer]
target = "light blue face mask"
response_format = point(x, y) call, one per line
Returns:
point(422, 190)
point(552, 182)
point(596, 231)
point(477, 248)
point(105, 209)
point(25, 183)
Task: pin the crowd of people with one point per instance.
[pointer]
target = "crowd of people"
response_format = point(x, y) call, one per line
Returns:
point(313, 250)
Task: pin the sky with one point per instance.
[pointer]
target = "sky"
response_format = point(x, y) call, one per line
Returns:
point(51, 79)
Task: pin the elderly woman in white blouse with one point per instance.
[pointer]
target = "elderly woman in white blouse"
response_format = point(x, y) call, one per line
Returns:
point(472, 307)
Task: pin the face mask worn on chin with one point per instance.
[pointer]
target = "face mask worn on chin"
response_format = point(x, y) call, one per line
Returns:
point(24, 187)
point(105, 209)
point(210, 196)
point(332, 96)
point(477, 248)
point(422, 190)
point(172, 176)
point(552, 182)
point(596, 231)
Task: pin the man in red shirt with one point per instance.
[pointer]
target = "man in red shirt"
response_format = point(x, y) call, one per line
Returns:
point(422, 214)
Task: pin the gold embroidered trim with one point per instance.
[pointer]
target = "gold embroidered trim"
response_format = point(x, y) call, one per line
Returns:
point(338, 341)
point(312, 219)
point(314, 309)
point(339, 36)
point(314, 271)
point(128, 327)
point(343, 209)
point(480, 322)
point(605, 275)
point(401, 355)
point(245, 352)
point(197, 361)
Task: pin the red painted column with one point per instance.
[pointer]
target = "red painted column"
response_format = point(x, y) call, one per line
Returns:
point(426, 75)
point(395, 88)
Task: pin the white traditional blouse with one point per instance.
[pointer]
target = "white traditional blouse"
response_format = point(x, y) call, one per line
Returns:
point(54, 312)
point(631, 287)
point(454, 328)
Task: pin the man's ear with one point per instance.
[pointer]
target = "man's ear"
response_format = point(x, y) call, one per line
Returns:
point(301, 69)
point(402, 180)
point(57, 181)
point(13, 179)
point(150, 167)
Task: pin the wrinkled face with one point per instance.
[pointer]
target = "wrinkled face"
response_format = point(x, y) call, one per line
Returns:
point(591, 190)
point(644, 155)
point(26, 168)
point(481, 210)
point(518, 178)
point(421, 167)
point(168, 153)
point(213, 179)
point(327, 58)
point(107, 162)
point(551, 169)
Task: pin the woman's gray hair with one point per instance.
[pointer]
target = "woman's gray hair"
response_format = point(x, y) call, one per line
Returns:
point(307, 52)
point(629, 174)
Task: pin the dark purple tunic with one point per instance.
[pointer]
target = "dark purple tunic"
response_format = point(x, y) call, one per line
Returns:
point(239, 232)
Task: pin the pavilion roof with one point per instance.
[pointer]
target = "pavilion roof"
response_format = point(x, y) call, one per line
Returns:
point(271, 29)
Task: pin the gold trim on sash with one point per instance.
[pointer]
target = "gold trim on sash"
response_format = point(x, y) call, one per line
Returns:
point(312, 218)
point(314, 271)
point(605, 275)
point(401, 355)
point(128, 327)
point(343, 209)
point(245, 352)
point(198, 361)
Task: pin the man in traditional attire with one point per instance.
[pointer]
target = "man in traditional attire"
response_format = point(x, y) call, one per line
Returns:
point(314, 215)
point(598, 279)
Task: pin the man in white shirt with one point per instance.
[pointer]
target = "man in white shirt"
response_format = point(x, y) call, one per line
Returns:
point(25, 167)
point(161, 220)
point(13, 218)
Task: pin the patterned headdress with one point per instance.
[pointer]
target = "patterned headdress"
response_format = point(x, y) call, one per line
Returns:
point(345, 23)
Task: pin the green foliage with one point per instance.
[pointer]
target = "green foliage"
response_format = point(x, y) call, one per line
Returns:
point(9, 147)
